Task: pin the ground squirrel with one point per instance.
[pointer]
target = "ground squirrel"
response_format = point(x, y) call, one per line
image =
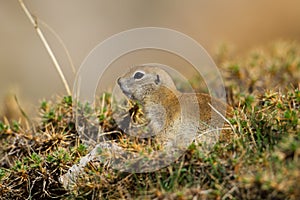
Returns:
point(162, 104)
point(173, 119)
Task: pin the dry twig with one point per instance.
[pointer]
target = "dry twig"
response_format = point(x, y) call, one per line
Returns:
point(45, 43)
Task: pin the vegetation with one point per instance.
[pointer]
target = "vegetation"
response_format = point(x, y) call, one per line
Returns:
point(261, 160)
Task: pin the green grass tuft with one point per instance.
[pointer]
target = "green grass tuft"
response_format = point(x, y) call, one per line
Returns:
point(260, 161)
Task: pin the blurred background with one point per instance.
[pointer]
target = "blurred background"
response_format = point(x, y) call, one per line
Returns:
point(27, 71)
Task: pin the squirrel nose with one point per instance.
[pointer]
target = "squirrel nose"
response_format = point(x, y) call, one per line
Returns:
point(119, 81)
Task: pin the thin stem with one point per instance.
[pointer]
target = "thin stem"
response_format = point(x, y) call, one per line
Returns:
point(46, 45)
point(222, 117)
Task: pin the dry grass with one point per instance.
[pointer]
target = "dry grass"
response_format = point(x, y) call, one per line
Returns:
point(261, 161)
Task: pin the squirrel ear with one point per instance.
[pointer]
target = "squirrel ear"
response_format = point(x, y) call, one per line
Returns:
point(157, 81)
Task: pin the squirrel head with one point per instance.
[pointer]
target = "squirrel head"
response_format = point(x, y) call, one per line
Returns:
point(143, 81)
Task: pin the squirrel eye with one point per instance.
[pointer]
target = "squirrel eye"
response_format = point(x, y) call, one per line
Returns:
point(138, 75)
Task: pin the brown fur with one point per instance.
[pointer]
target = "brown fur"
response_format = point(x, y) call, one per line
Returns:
point(165, 94)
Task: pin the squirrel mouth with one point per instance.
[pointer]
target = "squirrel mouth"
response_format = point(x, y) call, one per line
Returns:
point(124, 89)
point(129, 95)
point(125, 92)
